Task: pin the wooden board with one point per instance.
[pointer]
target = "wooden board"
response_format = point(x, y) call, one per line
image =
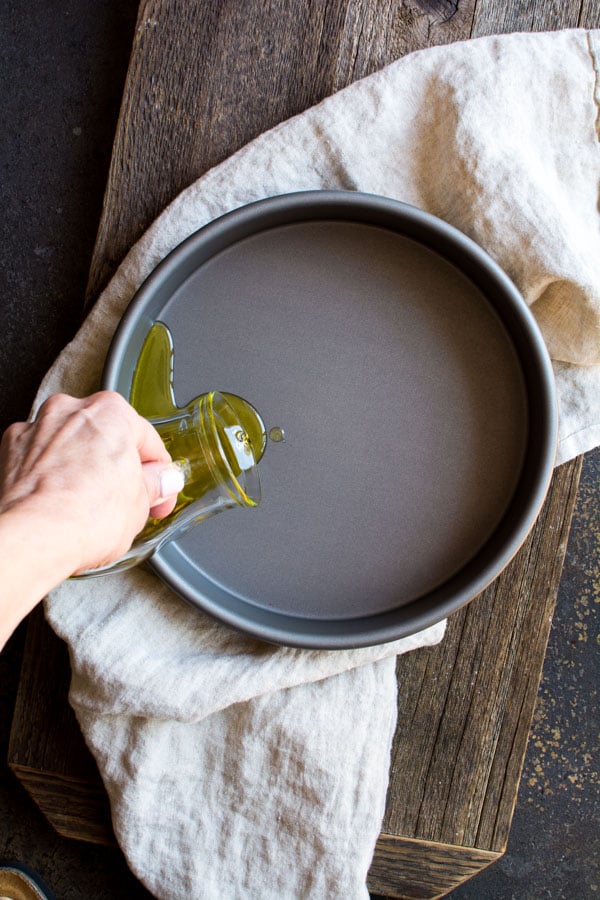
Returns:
point(205, 77)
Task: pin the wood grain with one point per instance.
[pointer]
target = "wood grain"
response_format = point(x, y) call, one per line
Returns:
point(76, 808)
point(589, 16)
point(502, 16)
point(204, 79)
point(418, 870)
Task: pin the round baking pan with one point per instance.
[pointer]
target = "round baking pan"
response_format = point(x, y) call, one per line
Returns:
point(415, 393)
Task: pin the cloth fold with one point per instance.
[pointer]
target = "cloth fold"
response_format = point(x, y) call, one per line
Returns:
point(236, 769)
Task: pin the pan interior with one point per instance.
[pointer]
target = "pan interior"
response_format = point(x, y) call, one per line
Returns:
point(403, 406)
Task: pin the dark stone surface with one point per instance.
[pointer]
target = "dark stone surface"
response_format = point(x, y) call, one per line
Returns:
point(63, 67)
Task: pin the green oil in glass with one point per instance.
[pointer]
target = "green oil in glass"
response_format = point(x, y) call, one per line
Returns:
point(152, 395)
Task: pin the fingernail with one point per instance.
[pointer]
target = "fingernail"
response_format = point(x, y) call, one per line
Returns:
point(171, 481)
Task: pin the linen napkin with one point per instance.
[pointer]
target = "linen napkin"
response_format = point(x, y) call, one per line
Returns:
point(241, 770)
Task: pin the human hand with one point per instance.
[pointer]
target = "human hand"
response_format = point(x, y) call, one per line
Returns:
point(92, 470)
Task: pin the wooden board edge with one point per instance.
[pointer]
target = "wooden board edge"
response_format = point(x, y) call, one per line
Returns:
point(48, 790)
point(412, 869)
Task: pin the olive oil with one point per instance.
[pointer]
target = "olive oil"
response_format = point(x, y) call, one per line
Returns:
point(232, 431)
point(152, 391)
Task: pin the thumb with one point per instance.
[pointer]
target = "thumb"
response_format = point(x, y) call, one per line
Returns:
point(163, 484)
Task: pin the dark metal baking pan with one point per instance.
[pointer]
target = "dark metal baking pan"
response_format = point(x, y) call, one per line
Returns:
point(417, 399)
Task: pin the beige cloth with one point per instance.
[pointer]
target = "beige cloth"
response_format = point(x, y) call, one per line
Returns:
point(239, 770)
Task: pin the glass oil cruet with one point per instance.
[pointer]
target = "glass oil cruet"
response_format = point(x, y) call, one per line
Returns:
point(216, 441)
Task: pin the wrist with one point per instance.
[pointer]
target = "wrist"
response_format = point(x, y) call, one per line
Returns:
point(52, 523)
point(36, 554)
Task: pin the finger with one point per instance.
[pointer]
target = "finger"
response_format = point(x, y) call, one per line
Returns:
point(163, 509)
point(56, 406)
point(149, 443)
point(14, 433)
point(163, 484)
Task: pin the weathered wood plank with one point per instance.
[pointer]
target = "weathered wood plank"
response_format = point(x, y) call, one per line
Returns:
point(589, 17)
point(503, 16)
point(419, 870)
point(375, 34)
point(77, 809)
